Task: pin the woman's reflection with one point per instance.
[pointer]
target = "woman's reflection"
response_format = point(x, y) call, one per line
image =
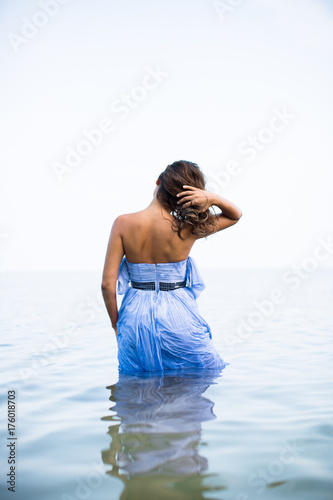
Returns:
point(156, 430)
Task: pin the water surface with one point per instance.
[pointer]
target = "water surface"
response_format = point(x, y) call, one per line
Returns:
point(261, 428)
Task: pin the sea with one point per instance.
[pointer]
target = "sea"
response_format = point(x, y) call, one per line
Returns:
point(261, 429)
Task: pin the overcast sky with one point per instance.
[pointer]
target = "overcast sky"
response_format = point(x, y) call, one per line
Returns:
point(243, 88)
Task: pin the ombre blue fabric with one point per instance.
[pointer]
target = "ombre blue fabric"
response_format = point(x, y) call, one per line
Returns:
point(163, 330)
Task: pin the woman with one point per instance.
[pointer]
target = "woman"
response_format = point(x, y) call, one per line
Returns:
point(158, 326)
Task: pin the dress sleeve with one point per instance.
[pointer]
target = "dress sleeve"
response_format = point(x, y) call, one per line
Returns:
point(123, 278)
point(193, 278)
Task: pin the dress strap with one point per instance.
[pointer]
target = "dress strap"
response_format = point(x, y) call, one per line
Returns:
point(123, 277)
point(193, 278)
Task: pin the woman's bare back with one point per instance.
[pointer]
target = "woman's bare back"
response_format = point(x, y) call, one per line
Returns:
point(148, 237)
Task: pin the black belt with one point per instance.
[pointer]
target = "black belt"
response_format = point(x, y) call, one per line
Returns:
point(165, 287)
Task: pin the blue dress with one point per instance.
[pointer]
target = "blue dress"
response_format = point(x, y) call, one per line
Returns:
point(163, 330)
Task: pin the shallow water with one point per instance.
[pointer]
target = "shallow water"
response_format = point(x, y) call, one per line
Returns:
point(262, 428)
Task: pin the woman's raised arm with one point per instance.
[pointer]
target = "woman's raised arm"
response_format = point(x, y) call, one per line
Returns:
point(230, 213)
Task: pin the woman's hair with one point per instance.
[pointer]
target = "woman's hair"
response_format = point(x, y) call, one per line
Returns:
point(173, 179)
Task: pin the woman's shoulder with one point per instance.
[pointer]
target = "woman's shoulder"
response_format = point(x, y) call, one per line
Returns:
point(127, 218)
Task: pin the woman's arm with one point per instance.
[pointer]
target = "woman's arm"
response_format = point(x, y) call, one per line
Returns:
point(114, 255)
point(230, 213)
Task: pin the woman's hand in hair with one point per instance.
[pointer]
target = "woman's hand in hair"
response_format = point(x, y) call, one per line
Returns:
point(192, 196)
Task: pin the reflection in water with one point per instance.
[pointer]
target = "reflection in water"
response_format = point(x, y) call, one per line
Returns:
point(156, 430)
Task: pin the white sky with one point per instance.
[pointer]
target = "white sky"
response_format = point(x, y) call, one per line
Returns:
point(225, 78)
